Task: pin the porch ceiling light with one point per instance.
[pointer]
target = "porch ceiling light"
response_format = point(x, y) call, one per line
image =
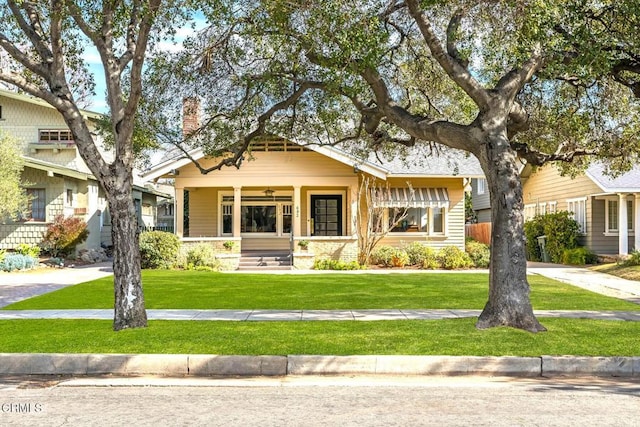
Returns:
point(268, 192)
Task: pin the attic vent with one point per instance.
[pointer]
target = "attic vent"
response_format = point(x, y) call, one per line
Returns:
point(276, 146)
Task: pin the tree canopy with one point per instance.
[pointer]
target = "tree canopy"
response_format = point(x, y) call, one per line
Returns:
point(13, 197)
point(507, 81)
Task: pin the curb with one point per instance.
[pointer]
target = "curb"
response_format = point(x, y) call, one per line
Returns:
point(217, 365)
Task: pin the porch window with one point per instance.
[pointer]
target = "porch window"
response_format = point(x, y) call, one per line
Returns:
point(287, 218)
point(611, 216)
point(37, 204)
point(579, 209)
point(258, 219)
point(227, 218)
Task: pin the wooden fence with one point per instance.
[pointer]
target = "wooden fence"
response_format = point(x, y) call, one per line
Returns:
point(480, 232)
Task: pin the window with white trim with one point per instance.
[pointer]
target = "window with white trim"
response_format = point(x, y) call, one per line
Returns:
point(578, 209)
point(227, 218)
point(612, 218)
point(542, 209)
point(482, 185)
point(529, 212)
point(553, 207)
point(421, 220)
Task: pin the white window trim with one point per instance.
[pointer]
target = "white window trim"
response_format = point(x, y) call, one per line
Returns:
point(553, 207)
point(429, 232)
point(482, 185)
point(583, 200)
point(616, 232)
point(528, 209)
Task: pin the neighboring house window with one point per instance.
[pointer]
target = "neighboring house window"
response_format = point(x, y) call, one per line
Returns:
point(37, 204)
point(543, 209)
point(578, 207)
point(55, 135)
point(611, 216)
point(482, 183)
point(147, 209)
point(168, 210)
point(529, 212)
point(69, 197)
point(1, 112)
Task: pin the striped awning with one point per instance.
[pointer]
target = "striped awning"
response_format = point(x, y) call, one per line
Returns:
point(411, 198)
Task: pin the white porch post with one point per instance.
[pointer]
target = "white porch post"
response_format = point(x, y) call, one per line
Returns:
point(297, 227)
point(178, 217)
point(237, 210)
point(623, 231)
point(636, 222)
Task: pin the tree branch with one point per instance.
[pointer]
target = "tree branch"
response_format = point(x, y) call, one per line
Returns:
point(454, 69)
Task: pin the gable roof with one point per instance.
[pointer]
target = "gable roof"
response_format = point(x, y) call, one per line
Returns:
point(37, 101)
point(627, 182)
point(417, 163)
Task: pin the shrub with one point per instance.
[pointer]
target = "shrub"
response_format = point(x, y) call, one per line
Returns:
point(399, 258)
point(578, 256)
point(29, 250)
point(331, 264)
point(201, 255)
point(562, 233)
point(634, 259)
point(478, 252)
point(158, 249)
point(451, 258)
point(533, 229)
point(229, 244)
point(63, 235)
point(13, 262)
point(382, 256)
point(418, 252)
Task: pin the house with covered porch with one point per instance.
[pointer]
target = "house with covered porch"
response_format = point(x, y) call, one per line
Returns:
point(289, 193)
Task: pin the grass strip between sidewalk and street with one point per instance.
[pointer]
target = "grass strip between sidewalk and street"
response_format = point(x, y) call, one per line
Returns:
point(206, 290)
point(453, 337)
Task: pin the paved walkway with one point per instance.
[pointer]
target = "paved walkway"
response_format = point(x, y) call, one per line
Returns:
point(18, 286)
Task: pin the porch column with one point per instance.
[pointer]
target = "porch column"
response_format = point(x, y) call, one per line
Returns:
point(623, 231)
point(636, 222)
point(178, 217)
point(297, 226)
point(237, 210)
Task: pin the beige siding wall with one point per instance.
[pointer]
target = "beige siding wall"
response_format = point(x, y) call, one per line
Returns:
point(203, 212)
point(546, 185)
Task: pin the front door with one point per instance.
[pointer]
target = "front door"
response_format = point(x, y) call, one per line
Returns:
point(326, 215)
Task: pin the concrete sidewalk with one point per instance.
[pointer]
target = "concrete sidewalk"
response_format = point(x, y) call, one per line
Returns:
point(307, 315)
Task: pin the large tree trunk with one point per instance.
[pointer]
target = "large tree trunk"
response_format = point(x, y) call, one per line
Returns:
point(129, 309)
point(508, 303)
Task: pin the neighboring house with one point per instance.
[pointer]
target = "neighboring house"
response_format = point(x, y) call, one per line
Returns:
point(480, 200)
point(55, 176)
point(605, 208)
point(289, 193)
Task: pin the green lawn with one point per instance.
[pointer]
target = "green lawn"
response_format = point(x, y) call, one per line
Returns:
point(206, 290)
point(441, 337)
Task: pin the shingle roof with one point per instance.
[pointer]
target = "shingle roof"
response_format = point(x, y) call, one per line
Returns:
point(421, 160)
point(627, 182)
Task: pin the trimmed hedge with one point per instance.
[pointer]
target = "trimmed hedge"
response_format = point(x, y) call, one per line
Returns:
point(158, 249)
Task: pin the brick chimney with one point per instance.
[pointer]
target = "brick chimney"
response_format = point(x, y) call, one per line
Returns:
point(190, 116)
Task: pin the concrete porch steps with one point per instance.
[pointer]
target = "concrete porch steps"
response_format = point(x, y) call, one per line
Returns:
point(265, 260)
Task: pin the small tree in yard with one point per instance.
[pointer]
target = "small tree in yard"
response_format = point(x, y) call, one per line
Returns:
point(372, 223)
point(41, 47)
point(63, 235)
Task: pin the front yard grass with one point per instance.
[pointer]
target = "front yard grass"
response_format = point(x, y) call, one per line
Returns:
point(408, 337)
point(206, 290)
point(626, 272)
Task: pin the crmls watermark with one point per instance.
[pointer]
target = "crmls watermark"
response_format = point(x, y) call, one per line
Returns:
point(21, 408)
